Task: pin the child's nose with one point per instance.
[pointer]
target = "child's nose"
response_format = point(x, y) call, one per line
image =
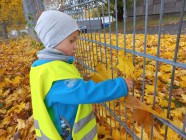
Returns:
point(75, 46)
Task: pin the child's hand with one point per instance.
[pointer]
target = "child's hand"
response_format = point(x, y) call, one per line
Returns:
point(129, 82)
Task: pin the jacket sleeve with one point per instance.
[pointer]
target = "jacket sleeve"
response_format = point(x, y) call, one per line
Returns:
point(77, 91)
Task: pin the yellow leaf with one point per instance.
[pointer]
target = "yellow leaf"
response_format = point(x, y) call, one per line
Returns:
point(112, 122)
point(156, 134)
point(21, 124)
point(2, 111)
point(117, 136)
point(17, 108)
point(105, 73)
point(149, 88)
point(171, 134)
point(2, 85)
point(20, 107)
point(2, 132)
point(111, 105)
point(8, 80)
point(2, 71)
point(138, 73)
point(165, 77)
point(161, 95)
point(97, 78)
point(16, 80)
point(149, 99)
point(7, 120)
point(125, 66)
point(183, 78)
point(145, 136)
point(183, 98)
point(166, 68)
point(163, 103)
point(103, 130)
point(182, 84)
point(178, 123)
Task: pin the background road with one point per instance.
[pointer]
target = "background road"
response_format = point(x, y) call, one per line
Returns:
point(166, 29)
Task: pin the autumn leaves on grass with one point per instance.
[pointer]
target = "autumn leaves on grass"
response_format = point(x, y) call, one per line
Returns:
point(16, 120)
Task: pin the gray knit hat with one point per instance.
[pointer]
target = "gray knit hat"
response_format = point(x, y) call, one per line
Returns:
point(54, 26)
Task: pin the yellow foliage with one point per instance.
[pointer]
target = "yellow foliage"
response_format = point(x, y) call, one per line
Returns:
point(149, 88)
point(11, 12)
point(125, 65)
point(15, 105)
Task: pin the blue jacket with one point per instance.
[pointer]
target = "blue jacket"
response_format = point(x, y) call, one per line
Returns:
point(65, 95)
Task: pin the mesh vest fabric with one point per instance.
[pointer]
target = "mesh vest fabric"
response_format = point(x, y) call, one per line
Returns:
point(41, 79)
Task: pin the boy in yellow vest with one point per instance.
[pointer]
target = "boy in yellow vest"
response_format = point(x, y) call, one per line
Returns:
point(61, 99)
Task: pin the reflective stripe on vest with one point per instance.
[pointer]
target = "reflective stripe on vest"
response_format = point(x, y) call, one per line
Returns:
point(91, 135)
point(38, 130)
point(85, 122)
point(82, 123)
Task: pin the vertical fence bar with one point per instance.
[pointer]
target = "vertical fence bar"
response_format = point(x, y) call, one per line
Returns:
point(95, 35)
point(144, 59)
point(89, 35)
point(134, 33)
point(145, 43)
point(86, 35)
point(157, 64)
point(124, 23)
point(111, 58)
point(134, 48)
point(110, 42)
point(94, 64)
point(125, 42)
point(103, 16)
point(90, 43)
point(100, 59)
point(124, 32)
point(116, 15)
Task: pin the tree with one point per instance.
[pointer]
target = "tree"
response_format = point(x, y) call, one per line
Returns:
point(120, 6)
point(11, 16)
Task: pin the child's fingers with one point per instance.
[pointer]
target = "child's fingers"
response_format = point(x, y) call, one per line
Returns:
point(129, 82)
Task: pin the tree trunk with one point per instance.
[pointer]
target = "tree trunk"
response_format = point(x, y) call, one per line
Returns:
point(4, 30)
point(119, 14)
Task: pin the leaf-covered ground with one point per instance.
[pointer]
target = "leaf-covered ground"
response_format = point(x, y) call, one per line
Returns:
point(16, 120)
point(16, 57)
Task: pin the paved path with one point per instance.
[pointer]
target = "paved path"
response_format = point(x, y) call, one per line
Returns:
point(166, 29)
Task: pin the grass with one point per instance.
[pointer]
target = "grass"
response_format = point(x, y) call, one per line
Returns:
point(153, 21)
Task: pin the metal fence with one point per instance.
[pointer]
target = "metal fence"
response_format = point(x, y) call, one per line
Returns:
point(102, 40)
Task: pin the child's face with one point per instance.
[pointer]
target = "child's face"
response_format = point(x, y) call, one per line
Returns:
point(68, 45)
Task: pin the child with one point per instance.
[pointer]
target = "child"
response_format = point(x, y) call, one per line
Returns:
point(61, 99)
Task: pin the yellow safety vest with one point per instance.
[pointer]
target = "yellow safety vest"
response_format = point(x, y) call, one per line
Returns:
point(41, 79)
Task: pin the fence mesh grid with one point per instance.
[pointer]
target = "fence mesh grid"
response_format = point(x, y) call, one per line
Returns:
point(158, 59)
